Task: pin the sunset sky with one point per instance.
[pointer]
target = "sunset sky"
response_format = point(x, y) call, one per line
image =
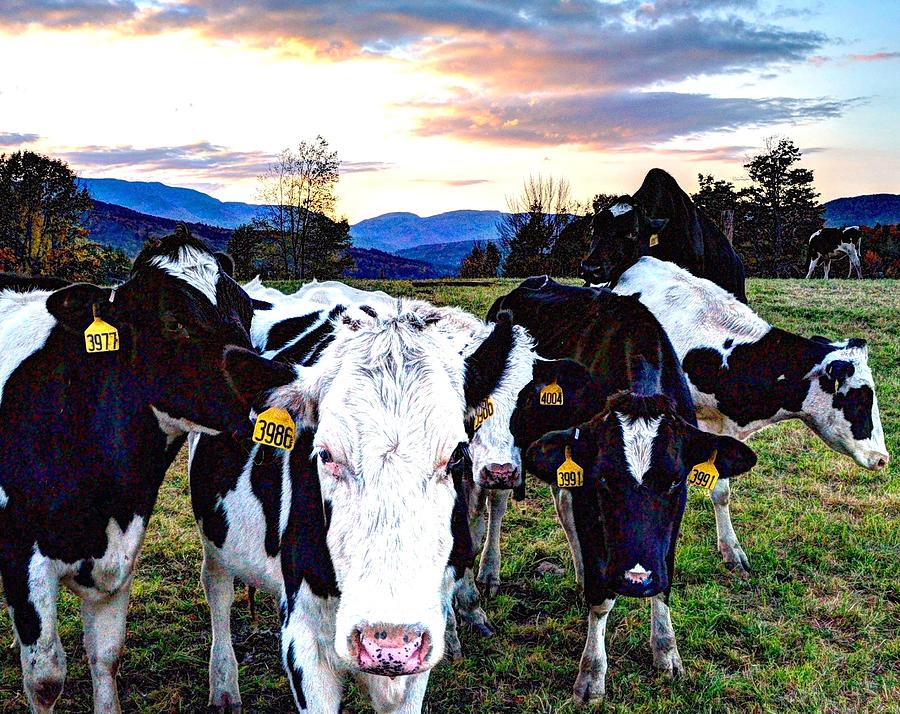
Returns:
point(434, 106)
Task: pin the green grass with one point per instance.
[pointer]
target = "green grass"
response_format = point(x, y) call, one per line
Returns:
point(816, 627)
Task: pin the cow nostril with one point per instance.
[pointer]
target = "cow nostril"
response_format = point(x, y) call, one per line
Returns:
point(881, 463)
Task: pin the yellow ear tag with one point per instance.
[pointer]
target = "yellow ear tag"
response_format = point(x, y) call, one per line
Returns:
point(654, 239)
point(706, 474)
point(483, 412)
point(100, 336)
point(552, 395)
point(275, 427)
point(569, 474)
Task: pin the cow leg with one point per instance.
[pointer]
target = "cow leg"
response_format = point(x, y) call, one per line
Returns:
point(32, 592)
point(104, 639)
point(590, 685)
point(452, 645)
point(218, 584)
point(662, 637)
point(315, 683)
point(735, 558)
point(854, 260)
point(468, 604)
point(489, 567)
point(397, 695)
point(562, 499)
point(812, 266)
point(827, 268)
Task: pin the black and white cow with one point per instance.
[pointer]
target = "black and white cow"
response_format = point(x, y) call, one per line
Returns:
point(363, 546)
point(832, 243)
point(746, 374)
point(86, 440)
point(662, 221)
point(636, 449)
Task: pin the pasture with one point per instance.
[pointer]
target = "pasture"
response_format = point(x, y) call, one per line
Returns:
point(815, 628)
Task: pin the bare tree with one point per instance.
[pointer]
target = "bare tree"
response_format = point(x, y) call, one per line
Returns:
point(536, 218)
point(297, 189)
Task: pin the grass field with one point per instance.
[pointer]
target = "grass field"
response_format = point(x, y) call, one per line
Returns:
point(815, 628)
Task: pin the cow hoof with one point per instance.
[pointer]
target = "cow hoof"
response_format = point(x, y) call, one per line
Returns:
point(587, 691)
point(669, 663)
point(483, 628)
point(489, 586)
point(224, 703)
point(736, 560)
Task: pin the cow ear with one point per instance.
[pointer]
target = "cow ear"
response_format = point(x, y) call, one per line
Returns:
point(73, 306)
point(226, 262)
point(548, 453)
point(857, 343)
point(657, 224)
point(486, 366)
point(253, 377)
point(732, 457)
point(839, 370)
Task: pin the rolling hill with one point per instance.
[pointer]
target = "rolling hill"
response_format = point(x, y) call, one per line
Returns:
point(883, 208)
point(445, 257)
point(396, 232)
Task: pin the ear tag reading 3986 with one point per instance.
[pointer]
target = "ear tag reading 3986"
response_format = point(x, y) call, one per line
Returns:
point(275, 427)
point(706, 474)
point(569, 474)
point(483, 412)
point(552, 395)
point(100, 336)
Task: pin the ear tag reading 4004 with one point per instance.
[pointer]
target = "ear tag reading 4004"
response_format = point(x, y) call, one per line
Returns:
point(275, 427)
point(100, 336)
point(483, 412)
point(706, 474)
point(552, 395)
point(569, 474)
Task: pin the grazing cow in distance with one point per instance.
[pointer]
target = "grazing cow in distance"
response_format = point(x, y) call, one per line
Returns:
point(832, 243)
point(661, 220)
point(364, 544)
point(745, 375)
point(85, 440)
point(635, 453)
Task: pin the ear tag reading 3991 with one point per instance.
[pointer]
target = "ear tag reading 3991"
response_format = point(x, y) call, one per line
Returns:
point(569, 474)
point(552, 395)
point(706, 474)
point(275, 427)
point(654, 239)
point(483, 412)
point(100, 336)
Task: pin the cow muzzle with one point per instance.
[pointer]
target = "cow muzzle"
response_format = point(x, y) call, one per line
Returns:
point(591, 274)
point(499, 476)
point(390, 650)
point(877, 461)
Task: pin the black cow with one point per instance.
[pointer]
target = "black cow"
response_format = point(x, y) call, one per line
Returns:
point(832, 243)
point(86, 440)
point(661, 220)
point(636, 449)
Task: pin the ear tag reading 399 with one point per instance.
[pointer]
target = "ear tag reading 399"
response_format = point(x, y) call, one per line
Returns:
point(275, 427)
point(483, 412)
point(552, 395)
point(100, 336)
point(706, 474)
point(654, 239)
point(569, 474)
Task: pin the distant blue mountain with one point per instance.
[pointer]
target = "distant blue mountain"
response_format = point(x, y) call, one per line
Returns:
point(394, 232)
point(883, 208)
point(180, 204)
point(446, 258)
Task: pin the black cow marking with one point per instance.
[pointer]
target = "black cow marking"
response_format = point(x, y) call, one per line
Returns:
point(303, 350)
point(283, 332)
point(728, 343)
point(857, 407)
point(296, 676)
point(84, 577)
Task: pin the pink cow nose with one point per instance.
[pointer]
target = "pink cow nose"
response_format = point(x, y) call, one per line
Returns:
point(390, 650)
point(881, 462)
point(500, 476)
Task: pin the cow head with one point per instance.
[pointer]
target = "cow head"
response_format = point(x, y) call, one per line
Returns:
point(842, 404)
point(636, 457)
point(622, 234)
point(387, 402)
point(175, 316)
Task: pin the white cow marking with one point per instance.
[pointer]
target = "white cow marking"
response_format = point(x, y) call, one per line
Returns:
point(25, 325)
point(195, 267)
point(637, 437)
point(4, 499)
point(620, 209)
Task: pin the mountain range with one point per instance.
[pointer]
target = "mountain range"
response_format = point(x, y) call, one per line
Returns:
point(402, 245)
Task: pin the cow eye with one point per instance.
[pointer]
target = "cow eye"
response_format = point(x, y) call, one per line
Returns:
point(325, 456)
point(174, 327)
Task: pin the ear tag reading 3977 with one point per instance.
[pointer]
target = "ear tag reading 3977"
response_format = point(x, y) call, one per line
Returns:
point(569, 474)
point(483, 412)
point(275, 427)
point(552, 395)
point(100, 336)
point(705, 475)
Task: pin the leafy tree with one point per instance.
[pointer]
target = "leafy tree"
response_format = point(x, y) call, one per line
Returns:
point(716, 196)
point(41, 212)
point(299, 186)
point(329, 255)
point(535, 221)
point(247, 249)
point(492, 260)
point(473, 264)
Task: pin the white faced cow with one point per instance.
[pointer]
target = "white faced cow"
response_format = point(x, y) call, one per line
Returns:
point(832, 243)
point(363, 548)
point(85, 440)
point(746, 374)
